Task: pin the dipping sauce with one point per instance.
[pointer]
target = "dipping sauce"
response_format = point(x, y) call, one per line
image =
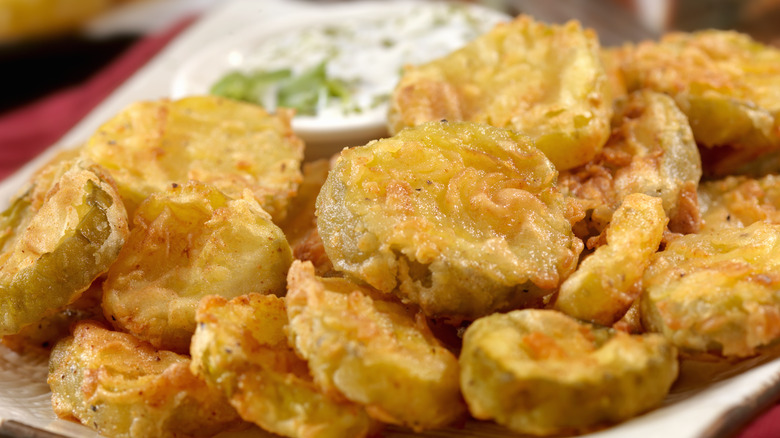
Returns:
point(349, 68)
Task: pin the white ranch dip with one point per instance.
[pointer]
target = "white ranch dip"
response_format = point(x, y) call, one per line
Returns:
point(365, 56)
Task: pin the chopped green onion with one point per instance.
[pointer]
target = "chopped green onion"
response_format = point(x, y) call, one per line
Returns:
point(248, 87)
point(233, 85)
point(305, 92)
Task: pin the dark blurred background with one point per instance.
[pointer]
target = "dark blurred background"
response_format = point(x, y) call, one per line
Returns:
point(48, 45)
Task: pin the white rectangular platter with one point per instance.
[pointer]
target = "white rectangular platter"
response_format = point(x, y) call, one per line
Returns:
point(705, 394)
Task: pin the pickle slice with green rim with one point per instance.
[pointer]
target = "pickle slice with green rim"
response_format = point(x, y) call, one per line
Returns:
point(57, 237)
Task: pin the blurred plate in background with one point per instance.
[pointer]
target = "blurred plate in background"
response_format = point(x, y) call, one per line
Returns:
point(360, 49)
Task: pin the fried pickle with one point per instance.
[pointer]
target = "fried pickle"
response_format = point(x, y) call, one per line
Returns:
point(651, 151)
point(611, 58)
point(738, 201)
point(541, 372)
point(372, 350)
point(241, 347)
point(188, 242)
point(123, 387)
point(460, 218)
point(602, 288)
point(300, 225)
point(716, 293)
point(300, 219)
point(727, 84)
point(631, 321)
point(59, 235)
point(546, 81)
point(35, 23)
point(40, 337)
point(228, 144)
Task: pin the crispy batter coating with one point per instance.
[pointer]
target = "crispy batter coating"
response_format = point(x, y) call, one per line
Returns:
point(716, 293)
point(541, 372)
point(186, 243)
point(242, 348)
point(123, 387)
point(300, 218)
point(460, 218)
point(229, 144)
point(651, 151)
point(738, 201)
point(300, 225)
point(312, 249)
point(546, 81)
point(726, 83)
point(372, 350)
point(612, 60)
point(58, 236)
point(603, 287)
point(631, 321)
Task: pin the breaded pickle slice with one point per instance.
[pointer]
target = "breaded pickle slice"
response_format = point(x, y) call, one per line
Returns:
point(602, 288)
point(651, 151)
point(188, 242)
point(241, 347)
point(372, 350)
point(726, 83)
point(716, 293)
point(460, 218)
point(229, 144)
point(301, 219)
point(123, 387)
point(546, 81)
point(541, 372)
point(300, 226)
point(612, 59)
point(40, 337)
point(738, 201)
point(56, 237)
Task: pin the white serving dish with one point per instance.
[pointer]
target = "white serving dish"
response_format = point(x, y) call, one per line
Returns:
point(361, 54)
point(704, 396)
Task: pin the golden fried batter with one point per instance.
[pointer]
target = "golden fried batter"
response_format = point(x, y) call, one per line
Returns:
point(716, 292)
point(651, 151)
point(546, 81)
point(123, 387)
point(541, 372)
point(228, 144)
point(611, 58)
point(460, 218)
point(300, 225)
point(726, 83)
point(300, 218)
point(631, 321)
point(241, 347)
point(30, 22)
point(738, 201)
point(372, 350)
point(186, 243)
point(58, 236)
point(603, 287)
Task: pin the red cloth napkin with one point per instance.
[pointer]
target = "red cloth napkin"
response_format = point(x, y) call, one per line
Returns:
point(765, 426)
point(27, 131)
